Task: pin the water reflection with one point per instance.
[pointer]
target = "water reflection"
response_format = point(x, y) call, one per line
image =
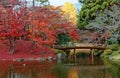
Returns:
point(84, 69)
point(115, 69)
point(26, 69)
point(73, 73)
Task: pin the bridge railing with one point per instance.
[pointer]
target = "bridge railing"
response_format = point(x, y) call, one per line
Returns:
point(77, 44)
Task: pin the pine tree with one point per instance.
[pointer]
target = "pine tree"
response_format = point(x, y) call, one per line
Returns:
point(89, 10)
point(109, 21)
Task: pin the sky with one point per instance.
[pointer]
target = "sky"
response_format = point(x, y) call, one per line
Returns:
point(58, 2)
point(61, 2)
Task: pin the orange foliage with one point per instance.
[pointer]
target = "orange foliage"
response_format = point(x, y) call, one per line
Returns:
point(47, 23)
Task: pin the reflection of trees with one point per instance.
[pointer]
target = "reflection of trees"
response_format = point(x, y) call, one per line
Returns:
point(20, 72)
point(73, 73)
point(44, 70)
point(11, 72)
point(92, 73)
point(30, 70)
point(90, 61)
point(114, 70)
point(60, 71)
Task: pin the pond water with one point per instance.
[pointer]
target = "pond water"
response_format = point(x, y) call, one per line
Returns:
point(82, 68)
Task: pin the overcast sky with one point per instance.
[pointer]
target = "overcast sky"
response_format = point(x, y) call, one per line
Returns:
point(61, 2)
point(57, 3)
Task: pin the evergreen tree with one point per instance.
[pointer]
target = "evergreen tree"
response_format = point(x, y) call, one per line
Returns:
point(89, 10)
point(109, 21)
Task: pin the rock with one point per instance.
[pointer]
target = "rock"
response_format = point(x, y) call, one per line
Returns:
point(43, 59)
point(20, 59)
point(39, 59)
point(110, 57)
point(59, 55)
point(50, 58)
point(31, 59)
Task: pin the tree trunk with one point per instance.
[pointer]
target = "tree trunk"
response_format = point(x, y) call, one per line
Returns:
point(33, 3)
point(33, 46)
point(12, 43)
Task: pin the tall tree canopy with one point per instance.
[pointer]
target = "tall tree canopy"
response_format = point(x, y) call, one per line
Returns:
point(108, 22)
point(45, 25)
point(69, 12)
point(89, 10)
point(11, 24)
point(39, 25)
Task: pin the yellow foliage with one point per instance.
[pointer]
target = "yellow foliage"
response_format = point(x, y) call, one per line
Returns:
point(69, 12)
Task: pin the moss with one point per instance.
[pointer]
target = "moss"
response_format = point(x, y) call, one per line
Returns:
point(116, 57)
point(113, 52)
point(98, 53)
point(114, 47)
point(107, 52)
point(106, 57)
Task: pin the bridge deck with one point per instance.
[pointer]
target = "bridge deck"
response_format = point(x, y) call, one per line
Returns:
point(63, 47)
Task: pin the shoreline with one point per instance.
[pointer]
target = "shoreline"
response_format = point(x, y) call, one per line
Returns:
point(29, 59)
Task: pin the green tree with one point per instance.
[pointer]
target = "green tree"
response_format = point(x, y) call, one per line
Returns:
point(63, 39)
point(109, 21)
point(89, 10)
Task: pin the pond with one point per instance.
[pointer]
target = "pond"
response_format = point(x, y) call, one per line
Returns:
point(82, 68)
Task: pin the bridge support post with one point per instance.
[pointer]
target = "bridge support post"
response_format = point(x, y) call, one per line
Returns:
point(75, 56)
point(91, 56)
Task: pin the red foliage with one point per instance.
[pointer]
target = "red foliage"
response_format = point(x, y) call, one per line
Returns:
point(74, 35)
point(11, 23)
point(47, 24)
point(40, 25)
point(23, 50)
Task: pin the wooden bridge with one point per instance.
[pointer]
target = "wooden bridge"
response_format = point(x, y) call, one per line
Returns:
point(75, 46)
point(79, 46)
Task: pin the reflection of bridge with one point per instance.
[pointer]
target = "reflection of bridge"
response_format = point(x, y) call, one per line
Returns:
point(80, 46)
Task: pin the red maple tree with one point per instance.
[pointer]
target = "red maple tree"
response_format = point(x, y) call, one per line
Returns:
point(41, 25)
point(11, 25)
point(46, 24)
